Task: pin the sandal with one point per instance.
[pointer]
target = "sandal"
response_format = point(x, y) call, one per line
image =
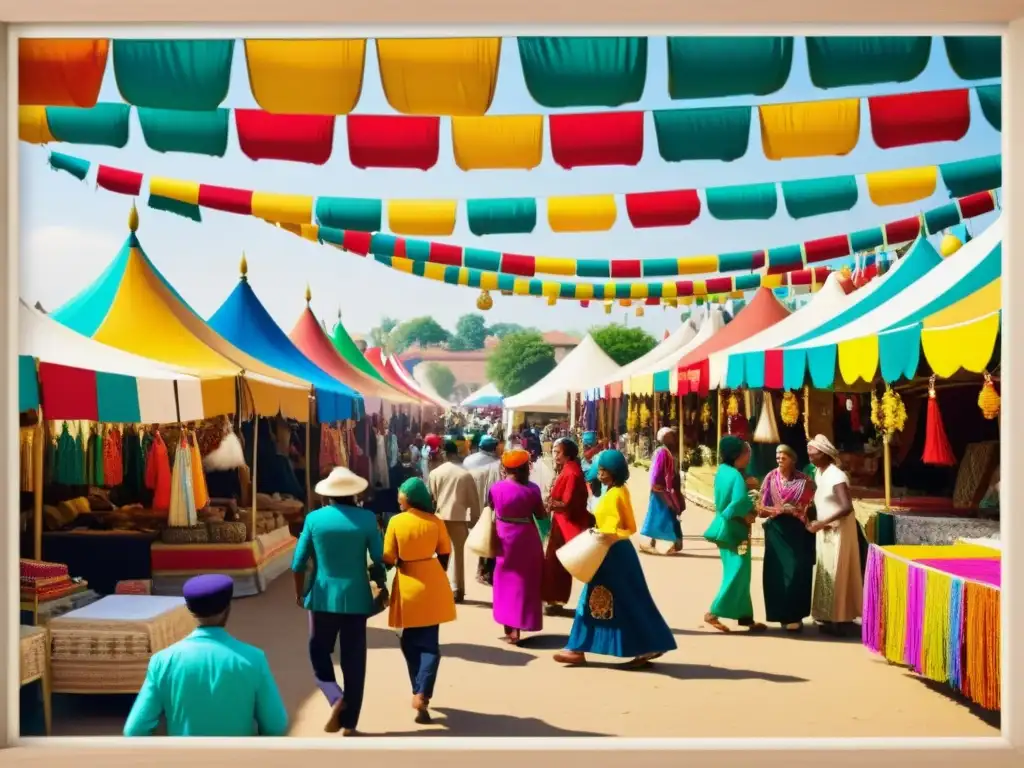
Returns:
point(571, 658)
point(795, 628)
point(712, 621)
point(648, 549)
point(334, 721)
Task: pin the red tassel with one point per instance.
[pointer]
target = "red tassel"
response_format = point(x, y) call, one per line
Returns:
point(937, 450)
point(855, 423)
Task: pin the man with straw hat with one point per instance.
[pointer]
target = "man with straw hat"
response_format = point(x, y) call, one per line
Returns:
point(209, 684)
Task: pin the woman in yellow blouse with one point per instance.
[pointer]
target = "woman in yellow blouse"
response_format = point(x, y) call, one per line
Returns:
point(616, 615)
point(421, 598)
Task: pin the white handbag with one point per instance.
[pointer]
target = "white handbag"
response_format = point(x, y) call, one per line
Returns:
point(584, 554)
point(482, 539)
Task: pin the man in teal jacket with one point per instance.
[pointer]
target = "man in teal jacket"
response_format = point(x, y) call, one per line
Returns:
point(209, 684)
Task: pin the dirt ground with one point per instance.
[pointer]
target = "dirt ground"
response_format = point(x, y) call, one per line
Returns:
point(714, 685)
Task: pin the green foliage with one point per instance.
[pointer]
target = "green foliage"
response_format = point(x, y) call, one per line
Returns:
point(441, 379)
point(424, 331)
point(519, 361)
point(622, 344)
point(501, 330)
point(379, 336)
point(470, 333)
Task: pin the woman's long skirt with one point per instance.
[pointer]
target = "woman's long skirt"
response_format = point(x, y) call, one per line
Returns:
point(838, 583)
point(518, 570)
point(661, 523)
point(733, 599)
point(788, 570)
point(616, 615)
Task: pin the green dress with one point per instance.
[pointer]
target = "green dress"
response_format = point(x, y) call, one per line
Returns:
point(730, 533)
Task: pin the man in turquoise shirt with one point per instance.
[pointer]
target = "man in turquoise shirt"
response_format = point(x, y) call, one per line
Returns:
point(209, 684)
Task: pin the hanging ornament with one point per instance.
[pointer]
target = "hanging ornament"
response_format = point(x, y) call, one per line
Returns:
point(584, 303)
point(645, 414)
point(767, 431)
point(672, 413)
point(552, 300)
point(607, 307)
point(484, 301)
point(790, 409)
point(732, 407)
point(639, 311)
point(705, 414)
point(950, 244)
point(989, 400)
point(937, 450)
point(888, 413)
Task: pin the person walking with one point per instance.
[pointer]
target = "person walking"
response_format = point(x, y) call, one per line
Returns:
point(485, 468)
point(457, 503)
point(665, 504)
point(570, 517)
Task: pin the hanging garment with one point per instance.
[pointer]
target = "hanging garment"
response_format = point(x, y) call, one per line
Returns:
point(394, 455)
point(133, 462)
point(182, 506)
point(199, 489)
point(113, 467)
point(767, 430)
point(96, 465)
point(158, 474)
point(69, 459)
point(329, 453)
point(26, 442)
point(381, 470)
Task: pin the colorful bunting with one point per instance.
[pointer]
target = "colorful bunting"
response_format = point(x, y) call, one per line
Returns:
point(192, 75)
point(844, 61)
point(298, 138)
point(909, 119)
point(810, 128)
point(296, 77)
point(714, 67)
point(606, 138)
point(498, 142)
point(975, 58)
point(61, 72)
point(584, 71)
point(391, 141)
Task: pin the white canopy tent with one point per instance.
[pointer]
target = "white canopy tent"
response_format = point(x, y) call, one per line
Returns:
point(487, 395)
point(642, 368)
point(586, 361)
point(713, 322)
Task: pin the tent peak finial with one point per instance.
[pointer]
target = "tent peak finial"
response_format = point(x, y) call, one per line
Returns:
point(309, 295)
point(243, 267)
point(133, 218)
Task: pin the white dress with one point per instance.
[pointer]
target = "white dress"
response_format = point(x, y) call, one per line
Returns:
point(838, 586)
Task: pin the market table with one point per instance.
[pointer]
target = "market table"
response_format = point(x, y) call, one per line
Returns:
point(35, 665)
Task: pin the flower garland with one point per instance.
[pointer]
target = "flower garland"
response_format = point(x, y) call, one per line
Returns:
point(888, 414)
point(988, 399)
point(790, 409)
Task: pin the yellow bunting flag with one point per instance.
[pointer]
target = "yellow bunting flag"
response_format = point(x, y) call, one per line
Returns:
point(810, 128)
point(306, 77)
point(422, 217)
point(498, 142)
point(293, 209)
point(33, 126)
point(697, 265)
point(585, 213)
point(858, 359)
point(905, 185)
point(175, 189)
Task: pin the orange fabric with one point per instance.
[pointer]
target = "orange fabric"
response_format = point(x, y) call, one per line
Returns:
point(158, 474)
point(113, 467)
point(199, 490)
point(61, 72)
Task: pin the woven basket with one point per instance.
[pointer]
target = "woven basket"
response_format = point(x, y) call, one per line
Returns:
point(195, 535)
point(226, 533)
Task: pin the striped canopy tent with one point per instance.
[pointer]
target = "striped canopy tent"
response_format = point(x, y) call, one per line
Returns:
point(245, 322)
point(487, 396)
point(350, 352)
point(74, 377)
point(132, 307)
point(662, 372)
point(311, 338)
point(780, 366)
point(763, 311)
point(419, 383)
point(379, 360)
point(951, 317)
point(550, 394)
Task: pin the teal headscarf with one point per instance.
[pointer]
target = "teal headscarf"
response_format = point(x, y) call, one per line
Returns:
point(615, 464)
point(730, 449)
point(415, 491)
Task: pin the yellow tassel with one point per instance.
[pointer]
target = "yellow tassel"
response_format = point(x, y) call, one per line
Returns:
point(790, 409)
point(935, 640)
point(894, 597)
point(733, 407)
point(981, 645)
point(989, 400)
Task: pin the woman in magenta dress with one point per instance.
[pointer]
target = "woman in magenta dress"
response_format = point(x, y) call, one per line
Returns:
point(519, 562)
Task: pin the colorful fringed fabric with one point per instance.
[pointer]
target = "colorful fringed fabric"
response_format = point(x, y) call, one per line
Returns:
point(936, 610)
point(63, 72)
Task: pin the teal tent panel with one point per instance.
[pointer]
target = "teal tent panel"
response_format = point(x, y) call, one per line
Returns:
point(753, 366)
point(76, 166)
point(991, 99)
point(743, 202)
point(169, 205)
point(735, 371)
point(192, 75)
point(840, 61)
point(814, 197)
point(105, 125)
point(702, 67)
point(899, 353)
point(919, 261)
point(821, 362)
point(738, 260)
point(979, 174)
point(584, 71)
point(786, 257)
point(662, 381)
point(660, 267)
point(478, 258)
point(713, 133)
point(117, 398)
point(362, 214)
point(747, 282)
point(794, 368)
point(943, 217)
point(86, 312)
point(502, 216)
point(867, 239)
point(175, 130)
point(383, 244)
point(28, 384)
point(975, 57)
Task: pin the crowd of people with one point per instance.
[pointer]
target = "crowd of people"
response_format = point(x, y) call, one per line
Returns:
point(349, 566)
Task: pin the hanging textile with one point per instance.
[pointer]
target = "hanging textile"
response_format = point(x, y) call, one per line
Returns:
point(68, 459)
point(287, 209)
point(173, 74)
point(357, 213)
point(330, 454)
point(965, 177)
point(975, 58)
point(96, 474)
point(422, 217)
point(133, 457)
point(439, 76)
point(178, 208)
point(27, 454)
point(991, 99)
point(711, 133)
point(117, 398)
point(714, 67)
point(119, 180)
point(67, 393)
point(32, 125)
point(602, 138)
point(28, 384)
point(306, 77)
point(393, 141)
point(181, 506)
point(584, 213)
point(158, 473)
point(201, 494)
point(810, 129)
point(296, 138)
point(906, 185)
point(75, 166)
point(742, 201)
point(498, 142)
point(838, 61)
point(175, 130)
point(113, 462)
point(105, 125)
point(814, 197)
point(381, 467)
point(909, 119)
point(502, 216)
point(61, 72)
point(674, 208)
point(584, 71)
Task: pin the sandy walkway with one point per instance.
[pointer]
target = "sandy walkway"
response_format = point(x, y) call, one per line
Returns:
point(713, 686)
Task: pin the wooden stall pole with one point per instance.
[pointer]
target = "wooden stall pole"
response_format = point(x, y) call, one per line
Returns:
point(255, 458)
point(887, 466)
point(38, 458)
point(309, 485)
point(718, 427)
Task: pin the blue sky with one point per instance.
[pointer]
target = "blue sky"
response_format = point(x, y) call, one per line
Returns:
point(70, 231)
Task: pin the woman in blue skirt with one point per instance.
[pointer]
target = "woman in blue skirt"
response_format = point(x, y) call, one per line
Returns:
point(666, 500)
point(616, 615)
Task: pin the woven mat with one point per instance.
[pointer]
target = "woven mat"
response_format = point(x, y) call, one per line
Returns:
point(33, 653)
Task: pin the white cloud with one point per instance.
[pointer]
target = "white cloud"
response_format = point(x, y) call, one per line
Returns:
point(58, 261)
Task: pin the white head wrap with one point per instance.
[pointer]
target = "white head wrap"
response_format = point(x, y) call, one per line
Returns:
point(664, 431)
point(823, 445)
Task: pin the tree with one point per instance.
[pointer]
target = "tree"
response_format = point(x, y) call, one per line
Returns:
point(424, 331)
point(470, 333)
point(519, 361)
point(501, 330)
point(378, 337)
point(441, 379)
point(622, 344)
